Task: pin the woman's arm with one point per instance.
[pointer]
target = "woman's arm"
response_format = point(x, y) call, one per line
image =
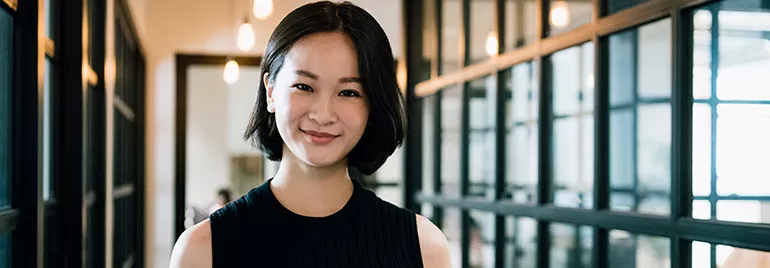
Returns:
point(193, 249)
point(433, 244)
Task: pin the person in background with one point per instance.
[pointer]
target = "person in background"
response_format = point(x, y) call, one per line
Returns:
point(328, 100)
point(223, 197)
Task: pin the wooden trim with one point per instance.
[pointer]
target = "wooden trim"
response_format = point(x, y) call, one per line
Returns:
point(50, 48)
point(11, 4)
point(628, 18)
point(90, 75)
point(183, 63)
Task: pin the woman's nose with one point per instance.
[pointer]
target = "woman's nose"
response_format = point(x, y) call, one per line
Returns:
point(322, 111)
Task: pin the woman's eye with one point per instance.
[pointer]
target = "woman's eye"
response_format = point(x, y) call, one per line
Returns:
point(303, 87)
point(349, 93)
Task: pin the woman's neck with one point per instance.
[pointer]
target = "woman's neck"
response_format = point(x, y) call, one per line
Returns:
point(311, 191)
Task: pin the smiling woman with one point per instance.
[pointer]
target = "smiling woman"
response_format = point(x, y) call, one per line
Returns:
point(328, 100)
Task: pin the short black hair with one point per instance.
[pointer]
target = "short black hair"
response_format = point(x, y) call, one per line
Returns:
point(225, 195)
point(386, 126)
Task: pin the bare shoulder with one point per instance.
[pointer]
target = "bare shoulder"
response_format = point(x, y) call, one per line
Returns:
point(193, 248)
point(433, 244)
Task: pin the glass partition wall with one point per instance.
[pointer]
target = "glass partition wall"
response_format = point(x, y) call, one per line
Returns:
point(592, 133)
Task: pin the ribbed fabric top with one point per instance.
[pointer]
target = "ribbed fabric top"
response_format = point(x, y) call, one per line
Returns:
point(257, 231)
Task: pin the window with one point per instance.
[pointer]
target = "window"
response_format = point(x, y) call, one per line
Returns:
point(632, 250)
point(451, 32)
point(618, 5)
point(451, 112)
point(481, 229)
point(482, 29)
point(727, 256)
point(571, 246)
point(520, 23)
point(521, 242)
point(573, 126)
point(731, 112)
point(6, 86)
point(522, 128)
point(481, 159)
point(566, 15)
point(640, 118)
point(451, 228)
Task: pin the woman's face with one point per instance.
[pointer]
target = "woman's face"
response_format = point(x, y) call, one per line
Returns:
point(318, 99)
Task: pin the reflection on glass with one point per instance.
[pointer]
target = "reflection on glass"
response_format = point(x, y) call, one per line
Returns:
point(570, 246)
point(618, 5)
point(482, 137)
point(731, 114)
point(520, 23)
point(451, 111)
point(451, 228)
point(727, 256)
point(482, 242)
point(566, 15)
point(451, 30)
point(521, 141)
point(6, 67)
point(428, 139)
point(629, 250)
point(47, 130)
point(5, 250)
point(482, 25)
point(521, 245)
point(640, 118)
point(573, 126)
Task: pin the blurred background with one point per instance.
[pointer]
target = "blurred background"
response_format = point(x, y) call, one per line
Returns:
point(543, 133)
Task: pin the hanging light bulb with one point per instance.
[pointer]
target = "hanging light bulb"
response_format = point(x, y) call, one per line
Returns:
point(559, 14)
point(245, 36)
point(232, 72)
point(263, 9)
point(492, 44)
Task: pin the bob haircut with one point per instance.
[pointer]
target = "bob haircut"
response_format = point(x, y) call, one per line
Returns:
point(386, 125)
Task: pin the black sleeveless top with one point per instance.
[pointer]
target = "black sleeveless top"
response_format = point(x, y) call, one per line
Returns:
point(257, 231)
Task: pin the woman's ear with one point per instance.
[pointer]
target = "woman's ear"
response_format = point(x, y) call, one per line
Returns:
point(269, 93)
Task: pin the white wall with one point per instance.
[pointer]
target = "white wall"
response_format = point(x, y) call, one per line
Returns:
point(167, 27)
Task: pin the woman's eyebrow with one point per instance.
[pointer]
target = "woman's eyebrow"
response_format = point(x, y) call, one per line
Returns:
point(313, 76)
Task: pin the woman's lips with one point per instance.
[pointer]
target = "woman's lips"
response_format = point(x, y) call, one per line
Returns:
point(319, 137)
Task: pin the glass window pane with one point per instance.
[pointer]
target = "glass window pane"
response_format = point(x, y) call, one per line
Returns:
point(451, 111)
point(618, 5)
point(571, 246)
point(451, 32)
point(640, 117)
point(520, 23)
point(6, 86)
point(522, 133)
point(573, 80)
point(50, 18)
point(630, 250)
point(701, 149)
point(751, 211)
point(482, 242)
point(727, 256)
point(451, 228)
point(521, 242)
point(47, 130)
point(744, 58)
point(566, 15)
point(482, 137)
point(573, 126)
point(742, 146)
point(482, 30)
point(428, 140)
point(5, 250)
point(654, 54)
point(701, 209)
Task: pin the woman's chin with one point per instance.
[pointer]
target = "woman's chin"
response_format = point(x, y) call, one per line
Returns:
point(321, 160)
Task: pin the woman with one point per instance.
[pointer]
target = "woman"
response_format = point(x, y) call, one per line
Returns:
point(328, 100)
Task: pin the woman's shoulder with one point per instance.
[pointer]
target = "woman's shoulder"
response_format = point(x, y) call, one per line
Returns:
point(434, 247)
point(193, 248)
